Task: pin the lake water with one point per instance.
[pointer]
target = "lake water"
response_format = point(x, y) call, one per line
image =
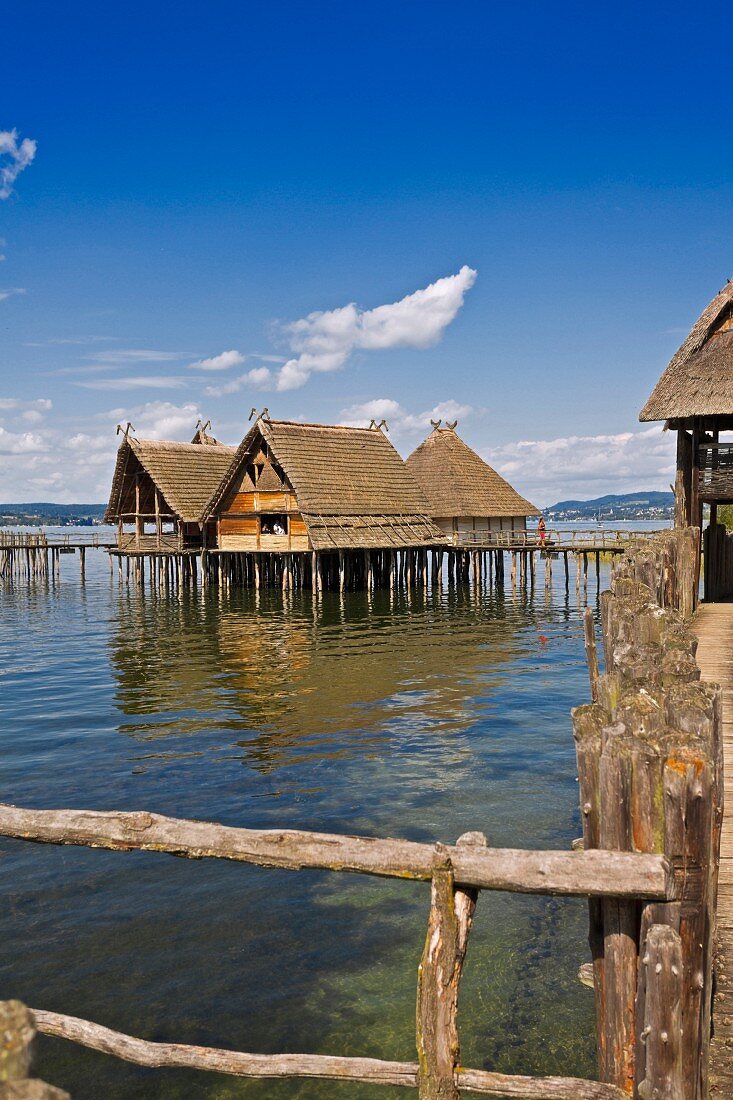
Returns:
point(420, 719)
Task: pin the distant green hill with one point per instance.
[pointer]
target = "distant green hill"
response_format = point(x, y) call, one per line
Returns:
point(641, 505)
point(47, 513)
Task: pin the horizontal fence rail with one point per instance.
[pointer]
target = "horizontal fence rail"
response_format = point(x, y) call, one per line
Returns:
point(324, 1066)
point(584, 874)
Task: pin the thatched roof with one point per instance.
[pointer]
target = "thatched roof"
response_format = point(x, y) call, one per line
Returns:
point(353, 488)
point(460, 484)
point(699, 378)
point(186, 474)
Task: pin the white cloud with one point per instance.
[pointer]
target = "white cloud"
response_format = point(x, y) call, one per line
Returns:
point(79, 467)
point(41, 405)
point(19, 443)
point(135, 382)
point(10, 291)
point(14, 157)
point(583, 467)
point(259, 378)
point(324, 340)
point(401, 423)
point(223, 361)
point(164, 420)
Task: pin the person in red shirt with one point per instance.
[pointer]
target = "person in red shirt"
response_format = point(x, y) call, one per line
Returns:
point(541, 528)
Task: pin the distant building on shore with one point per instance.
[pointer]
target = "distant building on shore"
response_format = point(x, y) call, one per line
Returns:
point(468, 499)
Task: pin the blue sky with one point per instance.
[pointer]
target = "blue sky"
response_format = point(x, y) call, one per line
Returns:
point(204, 178)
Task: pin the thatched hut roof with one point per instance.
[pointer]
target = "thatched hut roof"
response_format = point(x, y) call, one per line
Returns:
point(186, 474)
point(699, 378)
point(460, 484)
point(353, 488)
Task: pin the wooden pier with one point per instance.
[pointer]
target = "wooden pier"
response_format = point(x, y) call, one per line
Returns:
point(485, 559)
point(713, 625)
point(28, 554)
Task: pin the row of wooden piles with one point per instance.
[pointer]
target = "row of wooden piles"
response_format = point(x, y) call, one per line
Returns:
point(649, 750)
point(341, 571)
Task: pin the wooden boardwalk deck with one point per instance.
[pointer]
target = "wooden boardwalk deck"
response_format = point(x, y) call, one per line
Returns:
point(713, 625)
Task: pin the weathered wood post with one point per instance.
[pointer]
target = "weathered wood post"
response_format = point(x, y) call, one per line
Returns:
point(17, 1031)
point(439, 975)
point(662, 975)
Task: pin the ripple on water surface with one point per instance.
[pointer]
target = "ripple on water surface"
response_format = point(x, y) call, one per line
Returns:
point(421, 720)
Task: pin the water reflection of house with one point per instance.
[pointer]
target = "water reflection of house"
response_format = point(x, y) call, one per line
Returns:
point(160, 489)
point(468, 498)
point(694, 397)
point(277, 681)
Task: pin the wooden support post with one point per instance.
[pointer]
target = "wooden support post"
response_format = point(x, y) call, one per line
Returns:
point(662, 973)
point(591, 653)
point(439, 974)
point(683, 480)
point(342, 571)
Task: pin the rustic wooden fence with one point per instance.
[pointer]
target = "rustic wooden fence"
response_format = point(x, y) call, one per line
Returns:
point(456, 874)
point(649, 751)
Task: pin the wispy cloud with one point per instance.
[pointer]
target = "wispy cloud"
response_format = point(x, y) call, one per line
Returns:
point(324, 341)
point(259, 378)
point(14, 157)
point(10, 291)
point(224, 361)
point(135, 355)
point(74, 340)
point(137, 382)
point(400, 422)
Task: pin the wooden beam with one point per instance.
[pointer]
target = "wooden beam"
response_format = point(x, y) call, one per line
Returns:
point(369, 1070)
point(585, 874)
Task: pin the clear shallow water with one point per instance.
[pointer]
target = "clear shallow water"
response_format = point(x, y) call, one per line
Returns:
point(420, 720)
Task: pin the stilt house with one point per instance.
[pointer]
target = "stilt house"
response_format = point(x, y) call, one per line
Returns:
point(469, 501)
point(295, 487)
point(160, 490)
point(694, 397)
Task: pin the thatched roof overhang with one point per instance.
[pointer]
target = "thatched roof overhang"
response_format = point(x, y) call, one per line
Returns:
point(353, 489)
point(459, 484)
point(699, 379)
point(185, 474)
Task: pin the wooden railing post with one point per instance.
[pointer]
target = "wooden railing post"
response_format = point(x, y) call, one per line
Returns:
point(17, 1031)
point(439, 975)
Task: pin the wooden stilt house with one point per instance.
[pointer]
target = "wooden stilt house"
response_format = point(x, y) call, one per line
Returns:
point(694, 397)
point(295, 487)
point(469, 501)
point(160, 489)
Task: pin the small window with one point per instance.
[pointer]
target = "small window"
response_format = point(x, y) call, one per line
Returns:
point(274, 523)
